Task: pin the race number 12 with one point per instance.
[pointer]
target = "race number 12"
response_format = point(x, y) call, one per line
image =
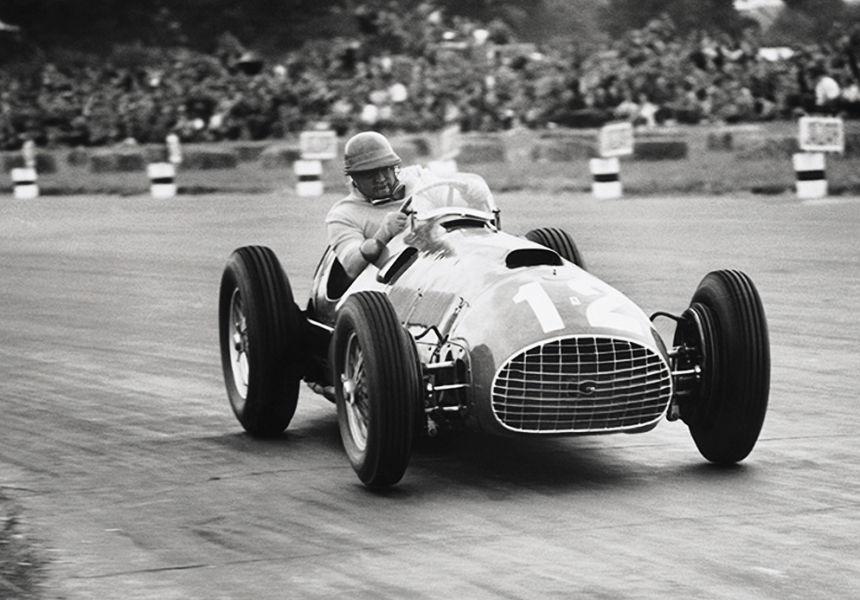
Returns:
point(541, 304)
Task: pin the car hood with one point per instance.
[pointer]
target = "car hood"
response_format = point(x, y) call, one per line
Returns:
point(491, 288)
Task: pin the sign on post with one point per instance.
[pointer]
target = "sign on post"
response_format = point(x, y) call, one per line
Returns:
point(821, 134)
point(318, 145)
point(615, 139)
point(815, 136)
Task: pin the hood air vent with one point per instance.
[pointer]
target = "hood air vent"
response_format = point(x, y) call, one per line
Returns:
point(532, 257)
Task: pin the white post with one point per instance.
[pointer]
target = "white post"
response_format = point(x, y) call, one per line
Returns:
point(606, 182)
point(811, 178)
point(25, 183)
point(162, 177)
point(309, 176)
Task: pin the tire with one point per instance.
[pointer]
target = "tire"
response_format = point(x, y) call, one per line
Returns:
point(259, 331)
point(726, 326)
point(377, 388)
point(558, 240)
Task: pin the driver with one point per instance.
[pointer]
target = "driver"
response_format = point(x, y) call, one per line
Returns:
point(360, 225)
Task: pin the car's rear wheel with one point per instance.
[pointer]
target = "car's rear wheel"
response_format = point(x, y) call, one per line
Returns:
point(259, 330)
point(558, 240)
point(726, 328)
point(377, 388)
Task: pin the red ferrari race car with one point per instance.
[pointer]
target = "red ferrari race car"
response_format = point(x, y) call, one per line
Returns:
point(461, 322)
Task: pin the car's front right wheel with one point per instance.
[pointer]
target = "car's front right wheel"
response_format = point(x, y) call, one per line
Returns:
point(259, 327)
point(558, 240)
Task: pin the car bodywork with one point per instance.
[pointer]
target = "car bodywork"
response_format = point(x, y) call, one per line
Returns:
point(518, 338)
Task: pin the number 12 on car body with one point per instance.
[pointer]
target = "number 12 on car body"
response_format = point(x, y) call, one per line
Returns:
point(600, 313)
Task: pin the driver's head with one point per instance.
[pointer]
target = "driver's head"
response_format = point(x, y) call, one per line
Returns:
point(372, 164)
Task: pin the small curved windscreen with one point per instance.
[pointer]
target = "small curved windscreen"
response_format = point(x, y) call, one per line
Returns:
point(463, 194)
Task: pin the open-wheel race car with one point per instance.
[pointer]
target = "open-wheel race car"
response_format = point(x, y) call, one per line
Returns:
point(459, 322)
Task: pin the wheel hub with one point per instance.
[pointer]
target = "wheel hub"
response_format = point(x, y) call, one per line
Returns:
point(695, 363)
point(239, 348)
point(355, 395)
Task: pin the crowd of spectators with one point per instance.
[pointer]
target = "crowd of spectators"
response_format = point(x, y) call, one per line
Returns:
point(420, 72)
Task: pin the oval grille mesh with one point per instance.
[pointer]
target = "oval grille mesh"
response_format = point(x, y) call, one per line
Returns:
point(582, 384)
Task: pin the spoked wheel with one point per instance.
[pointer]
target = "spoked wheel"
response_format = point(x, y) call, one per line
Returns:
point(259, 330)
point(725, 331)
point(377, 386)
point(558, 240)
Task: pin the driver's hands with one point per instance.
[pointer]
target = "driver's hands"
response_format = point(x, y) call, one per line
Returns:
point(394, 223)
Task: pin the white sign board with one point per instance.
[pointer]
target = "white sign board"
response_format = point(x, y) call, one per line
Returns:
point(318, 145)
point(821, 134)
point(615, 140)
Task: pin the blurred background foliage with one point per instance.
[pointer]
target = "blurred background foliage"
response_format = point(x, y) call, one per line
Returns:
point(274, 26)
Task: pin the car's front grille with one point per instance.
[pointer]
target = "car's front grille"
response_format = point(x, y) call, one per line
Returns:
point(581, 385)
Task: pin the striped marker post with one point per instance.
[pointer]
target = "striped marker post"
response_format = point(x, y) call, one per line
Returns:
point(25, 183)
point(316, 145)
point(613, 140)
point(309, 177)
point(606, 182)
point(811, 174)
point(162, 177)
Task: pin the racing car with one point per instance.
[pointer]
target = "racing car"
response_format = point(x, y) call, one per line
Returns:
point(461, 324)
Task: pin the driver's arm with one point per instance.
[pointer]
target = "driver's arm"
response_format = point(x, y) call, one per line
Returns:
point(357, 236)
point(393, 223)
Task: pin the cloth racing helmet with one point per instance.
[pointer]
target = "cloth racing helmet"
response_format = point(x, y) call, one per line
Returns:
point(367, 151)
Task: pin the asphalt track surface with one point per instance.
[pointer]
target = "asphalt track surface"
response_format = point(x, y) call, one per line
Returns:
point(117, 438)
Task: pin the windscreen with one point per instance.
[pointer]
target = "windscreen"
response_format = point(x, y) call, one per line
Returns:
point(465, 194)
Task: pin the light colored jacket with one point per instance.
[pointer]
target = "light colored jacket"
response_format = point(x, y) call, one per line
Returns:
point(354, 219)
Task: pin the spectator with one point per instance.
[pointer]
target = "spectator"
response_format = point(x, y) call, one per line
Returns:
point(827, 91)
point(403, 72)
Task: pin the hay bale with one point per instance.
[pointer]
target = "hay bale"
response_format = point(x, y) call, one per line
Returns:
point(421, 145)
point(412, 149)
point(204, 159)
point(720, 141)
point(852, 143)
point(660, 150)
point(562, 150)
point(156, 154)
point(118, 160)
point(249, 152)
point(45, 162)
point(477, 151)
point(280, 156)
point(77, 157)
point(781, 148)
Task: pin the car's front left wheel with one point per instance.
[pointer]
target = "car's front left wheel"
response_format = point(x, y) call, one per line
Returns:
point(377, 387)
point(726, 329)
